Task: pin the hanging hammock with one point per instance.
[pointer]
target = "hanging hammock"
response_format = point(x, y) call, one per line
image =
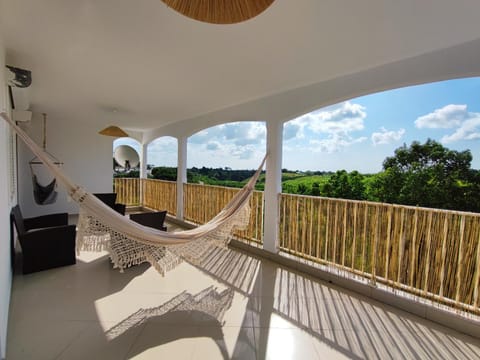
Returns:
point(129, 243)
point(44, 194)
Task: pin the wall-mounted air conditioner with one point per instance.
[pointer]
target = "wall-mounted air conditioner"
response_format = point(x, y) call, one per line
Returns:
point(18, 81)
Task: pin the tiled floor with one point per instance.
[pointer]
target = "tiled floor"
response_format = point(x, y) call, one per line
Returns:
point(233, 306)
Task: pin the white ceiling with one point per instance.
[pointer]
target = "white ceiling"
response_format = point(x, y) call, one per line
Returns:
point(161, 71)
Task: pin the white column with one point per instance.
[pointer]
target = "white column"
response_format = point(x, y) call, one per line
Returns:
point(273, 185)
point(143, 168)
point(181, 173)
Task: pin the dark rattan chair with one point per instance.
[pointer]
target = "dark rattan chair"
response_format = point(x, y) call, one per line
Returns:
point(151, 219)
point(47, 241)
point(110, 199)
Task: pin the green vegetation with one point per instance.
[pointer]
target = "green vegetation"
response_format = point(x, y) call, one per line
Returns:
point(135, 173)
point(428, 175)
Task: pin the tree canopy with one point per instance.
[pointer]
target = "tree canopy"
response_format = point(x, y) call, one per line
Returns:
point(429, 175)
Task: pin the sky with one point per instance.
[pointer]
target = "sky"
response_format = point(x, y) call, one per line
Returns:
point(354, 135)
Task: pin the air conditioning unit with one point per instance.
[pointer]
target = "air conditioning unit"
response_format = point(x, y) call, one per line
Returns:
point(18, 81)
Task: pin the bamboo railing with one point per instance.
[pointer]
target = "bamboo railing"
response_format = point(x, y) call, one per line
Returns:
point(128, 190)
point(432, 253)
point(202, 202)
point(160, 195)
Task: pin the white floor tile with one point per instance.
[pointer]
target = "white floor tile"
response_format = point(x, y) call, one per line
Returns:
point(232, 307)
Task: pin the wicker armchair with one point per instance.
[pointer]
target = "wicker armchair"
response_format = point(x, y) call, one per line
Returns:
point(151, 219)
point(110, 199)
point(47, 241)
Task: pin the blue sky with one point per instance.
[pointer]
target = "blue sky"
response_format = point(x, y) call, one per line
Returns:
point(354, 135)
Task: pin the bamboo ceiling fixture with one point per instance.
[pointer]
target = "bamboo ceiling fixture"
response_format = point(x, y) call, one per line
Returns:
point(114, 131)
point(219, 11)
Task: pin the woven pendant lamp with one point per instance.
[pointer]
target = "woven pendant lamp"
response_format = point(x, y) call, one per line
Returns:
point(113, 131)
point(219, 11)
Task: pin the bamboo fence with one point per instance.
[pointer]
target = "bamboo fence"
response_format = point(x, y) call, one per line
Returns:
point(432, 253)
point(128, 190)
point(160, 195)
point(202, 202)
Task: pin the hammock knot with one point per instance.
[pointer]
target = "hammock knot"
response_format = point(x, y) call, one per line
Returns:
point(78, 194)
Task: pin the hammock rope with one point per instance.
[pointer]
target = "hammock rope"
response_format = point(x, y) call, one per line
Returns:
point(130, 243)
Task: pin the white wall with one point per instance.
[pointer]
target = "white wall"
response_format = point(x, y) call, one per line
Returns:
point(87, 158)
point(5, 270)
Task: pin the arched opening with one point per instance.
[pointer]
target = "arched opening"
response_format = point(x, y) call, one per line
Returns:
point(126, 157)
point(162, 158)
point(226, 154)
point(351, 142)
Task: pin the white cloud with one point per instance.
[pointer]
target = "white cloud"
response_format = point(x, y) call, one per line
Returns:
point(163, 151)
point(333, 144)
point(386, 137)
point(344, 119)
point(336, 124)
point(241, 140)
point(164, 143)
point(212, 146)
point(468, 130)
point(291, 130)
point(448, 117)
point(245, 153)
point(466, 124)
point(345, 125)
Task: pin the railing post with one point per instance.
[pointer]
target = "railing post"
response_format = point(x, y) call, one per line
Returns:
point(373, 279)
point(387, 247)
point(273, 185)
point(401, 246)
point(460, 259)
point(444, 254)
point(476, 281)
point(413, 268)
point(427, 260)
point(143, 171)
point(181, 174)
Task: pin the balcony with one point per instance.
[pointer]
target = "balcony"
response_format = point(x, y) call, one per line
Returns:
point(352, 280)
point(235, 304)
point(232, 306)
point(97, 64)
point(428, 253)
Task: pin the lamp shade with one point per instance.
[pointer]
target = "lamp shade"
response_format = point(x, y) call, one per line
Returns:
point(219, 11)
point(113, 131)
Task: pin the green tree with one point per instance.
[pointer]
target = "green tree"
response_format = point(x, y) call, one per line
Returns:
point(356, 184)
point(345, 186)
point(302, 189)
point(428, 175)
point(164, 173)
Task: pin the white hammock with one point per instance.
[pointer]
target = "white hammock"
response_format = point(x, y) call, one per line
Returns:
point(129, 243)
